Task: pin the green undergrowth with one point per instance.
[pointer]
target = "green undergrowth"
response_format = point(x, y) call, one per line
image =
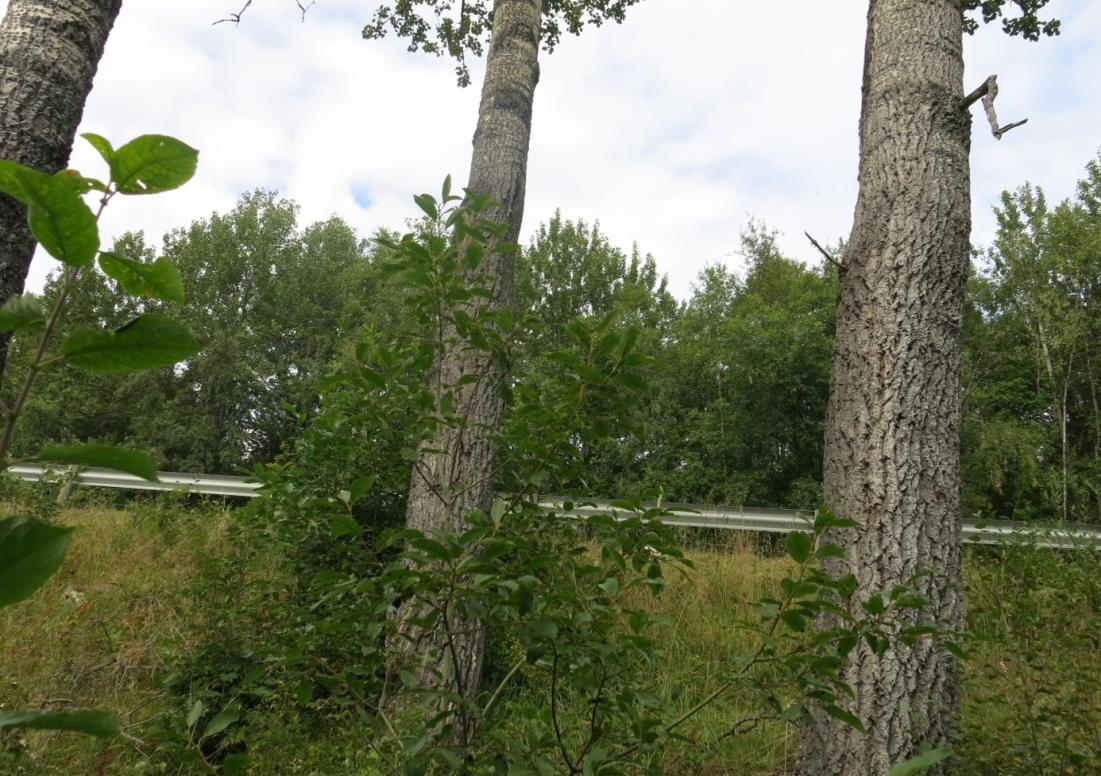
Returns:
point(142, 587)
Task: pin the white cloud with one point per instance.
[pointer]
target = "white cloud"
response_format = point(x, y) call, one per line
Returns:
point(669, 129)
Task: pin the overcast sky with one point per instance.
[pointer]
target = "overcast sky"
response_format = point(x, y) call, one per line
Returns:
point(672, 130)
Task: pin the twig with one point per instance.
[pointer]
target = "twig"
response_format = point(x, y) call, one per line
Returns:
point(745, 725)
point(501, 687)
point(236, 17)
point(987, 92)
point(825, 253)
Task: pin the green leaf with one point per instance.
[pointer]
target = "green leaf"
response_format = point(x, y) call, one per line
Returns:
point(426, 203)
point(159, 279)
point(361, 486)
point(845, 716)
point(30, 551)
point(794, 620)
point(874, 605)
point(196, 712)
point(431, 548)
point(799, 545)
point(829, 551)
point(610, 586)
point(920, 763)
point(59, 219)
point(147, 342)
point(344, 525)
point(153, 163)
point(221, 721)
point(235, 764)
point(119, 458)
point(101, 724)
point(22, 312)
point(101, 144)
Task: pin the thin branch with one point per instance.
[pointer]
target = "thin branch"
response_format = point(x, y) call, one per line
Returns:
point(825, 253)
point(987, 92)
point(236, 17)
point(500, 687)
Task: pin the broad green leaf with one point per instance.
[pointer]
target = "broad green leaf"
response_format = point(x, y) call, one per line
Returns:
point(84, 185)
point(426, 203)
point(845, 716)
point(119, 458)
point(794, 620)
point(153, 163)
point(221, 721)
point(22, 312)
point(101, 724)
point(799, 546)
point(159, 279)
point(102, 145)
point(147, 342)
point(344, 525)
point(920, 763)
point(59, 219)
point(196, 712)
point(235, 764)
point(361, 486)
point(30, 551)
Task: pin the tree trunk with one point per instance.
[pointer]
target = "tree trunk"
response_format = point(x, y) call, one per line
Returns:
point(458, 477)
point(49, 52)
point(892, 430)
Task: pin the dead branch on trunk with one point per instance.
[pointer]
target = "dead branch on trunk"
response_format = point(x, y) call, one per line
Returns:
point(826, 254)
point(987, 92)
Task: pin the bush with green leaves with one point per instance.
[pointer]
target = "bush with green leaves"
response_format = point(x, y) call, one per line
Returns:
point(567, 682)
point(62, 222)
point(1033, 686)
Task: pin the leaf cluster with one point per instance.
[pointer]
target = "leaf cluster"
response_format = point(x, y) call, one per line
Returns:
point(1027, 23)
point(438, 27)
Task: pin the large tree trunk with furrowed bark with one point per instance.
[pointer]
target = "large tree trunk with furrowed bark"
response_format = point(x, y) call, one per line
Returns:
point(456, 471)
point(49, 52)
point(892, 432)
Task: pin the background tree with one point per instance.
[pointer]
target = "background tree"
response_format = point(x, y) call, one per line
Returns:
point(893, 424)
point(49, 52)
point(272, 305)
point(1037, 421)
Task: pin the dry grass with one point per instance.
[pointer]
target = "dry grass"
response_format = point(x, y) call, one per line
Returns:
point(96, 633)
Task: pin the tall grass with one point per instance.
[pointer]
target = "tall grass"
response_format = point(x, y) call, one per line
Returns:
point(130, 596)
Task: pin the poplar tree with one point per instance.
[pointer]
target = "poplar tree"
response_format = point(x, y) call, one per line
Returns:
point(893, 423)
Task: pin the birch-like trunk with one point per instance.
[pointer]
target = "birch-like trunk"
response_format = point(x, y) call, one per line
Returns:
point(49, 52)
point(892, 430)
point(456, 471)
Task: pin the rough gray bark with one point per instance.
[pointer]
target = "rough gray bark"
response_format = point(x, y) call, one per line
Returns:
point(448, 485)
point(49, 52)
point(892, 430)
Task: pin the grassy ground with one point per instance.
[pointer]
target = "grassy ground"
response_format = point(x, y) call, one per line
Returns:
point(100, 633)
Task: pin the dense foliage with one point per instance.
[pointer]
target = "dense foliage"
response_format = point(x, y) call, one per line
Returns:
point(737, 387)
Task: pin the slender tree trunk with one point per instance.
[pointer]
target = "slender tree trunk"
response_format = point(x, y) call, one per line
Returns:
point(49, 52)
point(458, 476)
point(892, 429)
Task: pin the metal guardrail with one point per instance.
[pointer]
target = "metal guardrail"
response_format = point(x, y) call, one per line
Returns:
point(209, 484)
point(685, 516)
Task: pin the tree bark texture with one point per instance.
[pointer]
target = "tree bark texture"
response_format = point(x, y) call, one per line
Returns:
point(892, 430)
point(49, 52)
point(456, 471)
